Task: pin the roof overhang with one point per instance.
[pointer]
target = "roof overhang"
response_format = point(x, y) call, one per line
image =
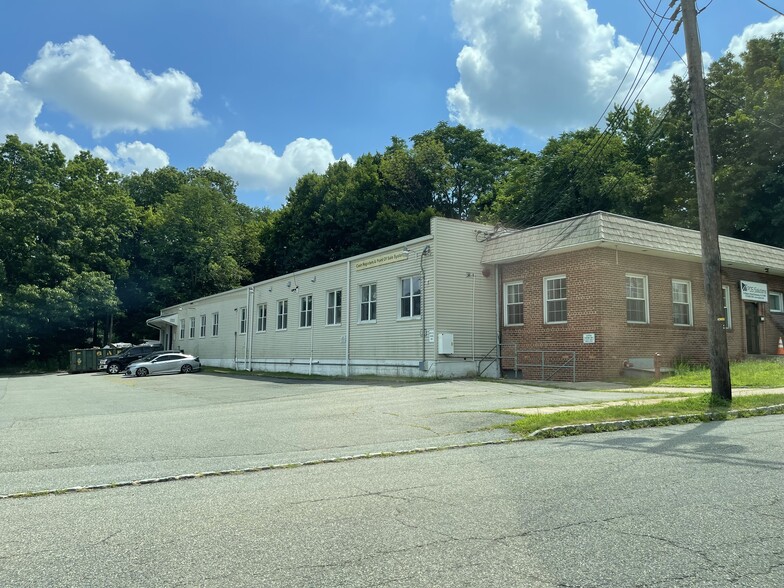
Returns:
point(163, 321)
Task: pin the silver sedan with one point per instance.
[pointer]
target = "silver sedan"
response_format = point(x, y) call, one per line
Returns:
point(167, 363)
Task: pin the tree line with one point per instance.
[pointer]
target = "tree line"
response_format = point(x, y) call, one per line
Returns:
point(87, 254)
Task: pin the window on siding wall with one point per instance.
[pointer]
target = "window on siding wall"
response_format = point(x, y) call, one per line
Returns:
point(261, 321)
point(283, 315)
point(776, 302)
point(367, 303)
point(725, 290)
point(243, 320)
point(513, 303)
point(214, 324)
point(192, 329)
point(306, 311)
point(411, 297)
point(182, 329)
point(636, 298)
point(203, 326)
point(681, 303)
point(334, 307)
point(555, 299)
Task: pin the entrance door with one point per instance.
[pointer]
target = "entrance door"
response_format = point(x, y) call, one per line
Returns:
point(752, 328)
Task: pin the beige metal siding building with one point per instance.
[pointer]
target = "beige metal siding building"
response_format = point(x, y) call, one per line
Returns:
point(420, 308)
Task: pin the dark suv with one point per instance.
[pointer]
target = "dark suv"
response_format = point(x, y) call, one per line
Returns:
point(116, 364)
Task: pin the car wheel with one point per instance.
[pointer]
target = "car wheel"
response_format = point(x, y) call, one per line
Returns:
point(113, 368)
point(141, 372)
point(186, 369)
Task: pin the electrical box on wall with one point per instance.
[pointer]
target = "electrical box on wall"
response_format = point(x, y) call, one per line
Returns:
point(446, 343)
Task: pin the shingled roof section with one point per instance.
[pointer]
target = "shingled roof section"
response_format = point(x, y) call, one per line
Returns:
point(603, 229)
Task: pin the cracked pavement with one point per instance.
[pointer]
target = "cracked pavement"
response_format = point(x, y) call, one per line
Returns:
point(689, 505)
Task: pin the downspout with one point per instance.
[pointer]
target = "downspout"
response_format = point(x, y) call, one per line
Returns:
point(348, 315)
point(425, 251)
point(498, 319)
point(248, 327)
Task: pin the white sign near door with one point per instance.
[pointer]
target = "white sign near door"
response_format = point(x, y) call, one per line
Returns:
point(753, 291)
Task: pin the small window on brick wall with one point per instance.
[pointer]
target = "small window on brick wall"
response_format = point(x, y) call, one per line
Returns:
point(555, 299)
point(636, 298)
point(681, 303)
point(513, 303)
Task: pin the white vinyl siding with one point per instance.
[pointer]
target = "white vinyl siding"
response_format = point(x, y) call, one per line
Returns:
point(513, 303)
point(555, 299)
point(681, 303)
point(636, 298)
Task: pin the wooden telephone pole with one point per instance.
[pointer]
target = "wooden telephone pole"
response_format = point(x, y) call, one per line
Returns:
point(709, 234)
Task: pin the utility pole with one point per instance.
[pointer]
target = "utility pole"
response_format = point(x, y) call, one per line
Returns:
point(721, 386)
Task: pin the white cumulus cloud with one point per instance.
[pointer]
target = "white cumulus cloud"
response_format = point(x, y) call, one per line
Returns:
point(133, 157)
point(19, 112)
point(256, 166)
point(83, 78)
point(542, 66)
point(371, 13)
point(756, 31)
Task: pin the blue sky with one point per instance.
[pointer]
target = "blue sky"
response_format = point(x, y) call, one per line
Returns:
point(267, 90)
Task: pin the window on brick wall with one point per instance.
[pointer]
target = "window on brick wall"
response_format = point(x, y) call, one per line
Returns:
point(681, 303)
point(636, 298)
point(555, 299)
point(513, 303)
point(725, 290)
point(776, 302)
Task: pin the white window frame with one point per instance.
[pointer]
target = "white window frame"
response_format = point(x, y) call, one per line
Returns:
point(334, 307)
point(725, 291)
point(192, 328)
point(545, 298)
point(282, 323)
point(644, 298)
point(306, 311)
point(203, 326)
point(775, 296)
point(513, 301)
point(688, 302)
point(215, 323)
point(261, 322)
point(408, 302)
point(182, 329)
point(243, 320)
point(371, 304)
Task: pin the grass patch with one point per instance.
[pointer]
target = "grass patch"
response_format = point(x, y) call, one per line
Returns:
point(746, 374)
point(698, 404)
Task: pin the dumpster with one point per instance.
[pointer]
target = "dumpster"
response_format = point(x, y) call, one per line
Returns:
point(87, 360)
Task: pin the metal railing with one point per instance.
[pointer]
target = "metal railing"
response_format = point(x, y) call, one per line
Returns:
point(529, 363)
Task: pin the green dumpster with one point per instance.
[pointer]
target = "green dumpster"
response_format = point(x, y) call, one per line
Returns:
point(87, 360)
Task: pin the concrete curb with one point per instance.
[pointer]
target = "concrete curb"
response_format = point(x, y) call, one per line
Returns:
point(544, 433)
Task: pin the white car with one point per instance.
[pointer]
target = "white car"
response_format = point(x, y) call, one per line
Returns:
point(167, 363)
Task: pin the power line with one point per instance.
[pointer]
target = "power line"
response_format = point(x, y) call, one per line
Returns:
point(766, 5)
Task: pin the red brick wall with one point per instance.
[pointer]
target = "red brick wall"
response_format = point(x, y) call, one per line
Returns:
point(596, 303)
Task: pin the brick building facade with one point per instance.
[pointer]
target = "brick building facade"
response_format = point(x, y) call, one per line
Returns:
point(615, 291)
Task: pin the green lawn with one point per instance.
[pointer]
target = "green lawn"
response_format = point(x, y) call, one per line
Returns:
point(697, 406)
point(744, 374)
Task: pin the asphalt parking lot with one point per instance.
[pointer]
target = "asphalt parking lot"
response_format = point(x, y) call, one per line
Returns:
point(65, 430)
